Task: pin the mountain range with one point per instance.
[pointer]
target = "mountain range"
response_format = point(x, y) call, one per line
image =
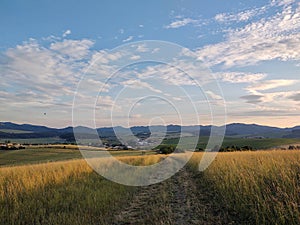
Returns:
point(27, 131)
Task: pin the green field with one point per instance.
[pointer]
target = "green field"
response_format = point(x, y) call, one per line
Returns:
point(50, 154)
point(37, 155)
point(34, 140)
point(229, 141)
point(15, 131)
point(58, 153)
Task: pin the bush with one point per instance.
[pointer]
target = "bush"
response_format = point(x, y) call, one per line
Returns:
point(166, 149)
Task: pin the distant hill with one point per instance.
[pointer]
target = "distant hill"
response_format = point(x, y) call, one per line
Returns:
point(295, 133)
point(232, 130)
point(25, 127)
point(241, 129)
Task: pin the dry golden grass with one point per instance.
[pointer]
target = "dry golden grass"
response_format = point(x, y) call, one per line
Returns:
point(66, 192)
point(256, 187)
point(250, 187)
point(14, 180)
point(141, 160)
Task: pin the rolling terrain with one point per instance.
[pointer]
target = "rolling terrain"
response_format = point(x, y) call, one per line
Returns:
point(237, 188)
point(27, 133)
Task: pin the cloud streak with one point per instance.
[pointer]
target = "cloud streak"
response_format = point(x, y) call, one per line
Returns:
point(240, 77)
point(181, 23)
point(276, 37)
point(271, 84)
point(128, 39)
point(239, 17)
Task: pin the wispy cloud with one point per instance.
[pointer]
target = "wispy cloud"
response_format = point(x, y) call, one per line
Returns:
point(76, 49)
point(274, 37)
point(270, 84)
point(142, 48)
point(66, 33)
point(271, 96)
point(282, 2)
point(128, 39)
point(104, 57)
point(180, 23)
point(239, 17)
point(138, 84)
point(240, 77)
point(213, 95)
point(42, 79)
point(135, 57)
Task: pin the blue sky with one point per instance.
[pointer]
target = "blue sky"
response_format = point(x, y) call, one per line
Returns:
point(250, 47)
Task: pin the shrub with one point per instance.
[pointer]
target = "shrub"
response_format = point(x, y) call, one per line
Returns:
point(166, 149)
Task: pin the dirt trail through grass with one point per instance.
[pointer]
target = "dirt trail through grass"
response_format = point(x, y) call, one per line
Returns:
point(174, 201)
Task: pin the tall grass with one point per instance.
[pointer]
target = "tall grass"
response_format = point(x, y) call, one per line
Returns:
point(141, 160)
point(66, 192)
point(58, 193)
point(255, 187)
point(249, 187)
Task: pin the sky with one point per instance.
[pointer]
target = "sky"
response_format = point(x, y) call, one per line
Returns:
point(150, 62)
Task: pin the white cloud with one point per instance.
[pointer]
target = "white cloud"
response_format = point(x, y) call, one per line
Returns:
point(180, 23)
point(271, 96)
point(282, 2)
point(128, 39)
point(171, 75)
point(105, 56)
point(270, 84)
point(51, 38)
point(275, 37)
point(240, 77)
point(142, 48)
point(155, 50)
point(213, 95)
point(46, 76)
point(94, 85)
point(77, 49)
point(106, 102)
point(66, 33)
point(33, 64)
point(138, 84)
point(135, 57)
point(239, 17)
point(41, 79)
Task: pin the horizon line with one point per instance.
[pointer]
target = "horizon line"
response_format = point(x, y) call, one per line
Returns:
point(146, 125)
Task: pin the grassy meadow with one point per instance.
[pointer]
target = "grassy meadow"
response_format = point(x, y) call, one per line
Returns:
point(37, 155)
point(67, 192)
point(52, 153)
point(255, 187)
point(58, 193)
point(265, 143)
point(248, 187)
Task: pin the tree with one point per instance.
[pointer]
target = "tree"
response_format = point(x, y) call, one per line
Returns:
point(166, 149)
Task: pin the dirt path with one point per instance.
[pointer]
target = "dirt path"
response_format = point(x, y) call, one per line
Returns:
point(174, 201)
